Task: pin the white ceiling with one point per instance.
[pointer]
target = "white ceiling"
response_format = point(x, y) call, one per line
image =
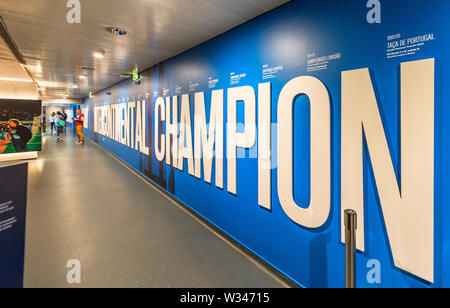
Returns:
point(56, 51)
point(14, 81)
point(10, 68)
point(5, 53)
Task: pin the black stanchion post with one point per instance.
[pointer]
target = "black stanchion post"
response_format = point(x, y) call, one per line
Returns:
point(350, 248)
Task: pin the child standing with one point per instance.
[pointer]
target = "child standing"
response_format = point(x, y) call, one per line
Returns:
point(60, 128)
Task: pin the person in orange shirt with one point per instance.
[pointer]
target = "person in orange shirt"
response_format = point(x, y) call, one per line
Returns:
point(79, 123)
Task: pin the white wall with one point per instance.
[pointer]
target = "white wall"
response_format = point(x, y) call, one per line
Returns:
point(61, 102)
point(18, 90)
point(58, 104)
point(14, 80)
point(50, 110)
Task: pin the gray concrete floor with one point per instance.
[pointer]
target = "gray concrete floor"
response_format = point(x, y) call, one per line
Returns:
point(84, 205)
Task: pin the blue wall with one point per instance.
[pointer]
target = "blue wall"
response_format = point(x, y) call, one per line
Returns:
point(285, 37)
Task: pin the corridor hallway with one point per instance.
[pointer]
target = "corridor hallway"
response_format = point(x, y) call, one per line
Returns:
point(85, 205)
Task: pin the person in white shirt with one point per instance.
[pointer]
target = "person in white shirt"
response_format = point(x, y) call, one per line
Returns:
point(52, 120)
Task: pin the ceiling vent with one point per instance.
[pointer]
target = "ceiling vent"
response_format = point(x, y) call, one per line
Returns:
point(116, 31)
point(55, 89)
point(87, 68)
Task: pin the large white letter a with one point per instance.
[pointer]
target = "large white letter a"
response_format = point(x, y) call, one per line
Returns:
point(74, 14)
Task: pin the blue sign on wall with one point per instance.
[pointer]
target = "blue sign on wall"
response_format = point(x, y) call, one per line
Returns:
point(389, 55)
point(13, 200)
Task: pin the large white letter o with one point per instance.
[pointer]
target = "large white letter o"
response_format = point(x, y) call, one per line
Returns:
point(319, 209)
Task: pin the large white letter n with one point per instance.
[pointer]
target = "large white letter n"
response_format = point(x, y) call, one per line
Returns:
point(408, 210)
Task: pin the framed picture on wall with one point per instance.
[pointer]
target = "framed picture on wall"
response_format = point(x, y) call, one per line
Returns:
point(20, 126)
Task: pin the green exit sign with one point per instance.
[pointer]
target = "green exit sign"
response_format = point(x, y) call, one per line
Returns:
point(135, 75)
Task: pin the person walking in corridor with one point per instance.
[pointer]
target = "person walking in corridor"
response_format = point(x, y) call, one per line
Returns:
point(79, 123)
point(64, 115)
point(60, 128)
point(52, 120)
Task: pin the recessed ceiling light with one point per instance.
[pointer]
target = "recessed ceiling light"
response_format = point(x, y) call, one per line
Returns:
point(116, 30)
point(83, 77)
point(99, 54)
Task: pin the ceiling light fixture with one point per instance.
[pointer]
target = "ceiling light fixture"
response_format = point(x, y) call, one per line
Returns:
point(83, 77)
point(15, 79)
point(99, 54)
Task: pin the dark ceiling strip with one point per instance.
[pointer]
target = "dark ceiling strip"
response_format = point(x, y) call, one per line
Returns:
point(10, 42)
